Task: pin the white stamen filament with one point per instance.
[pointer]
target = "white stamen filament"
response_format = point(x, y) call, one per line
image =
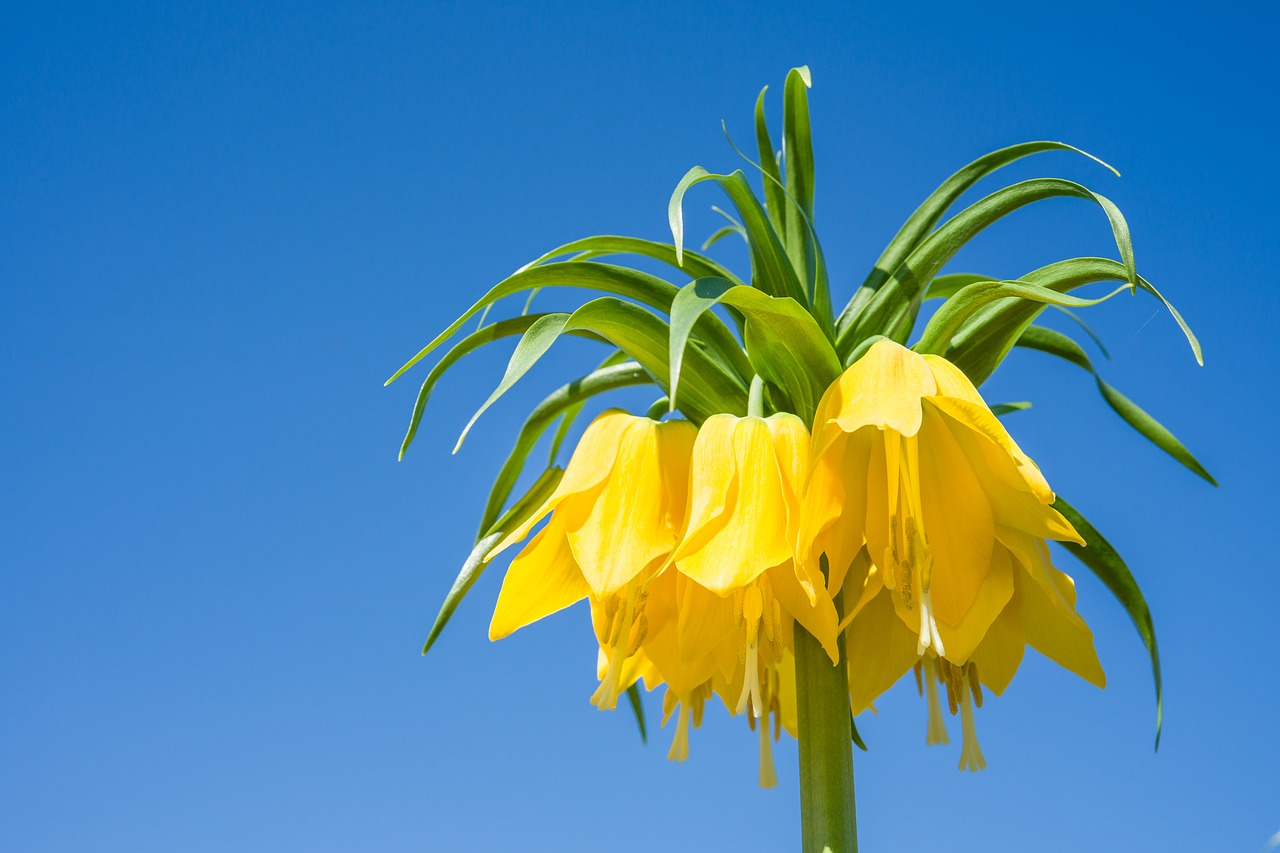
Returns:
point(751, 683)
point(929, 636)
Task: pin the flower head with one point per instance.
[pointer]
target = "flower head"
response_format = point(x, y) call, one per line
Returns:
point(615, 518)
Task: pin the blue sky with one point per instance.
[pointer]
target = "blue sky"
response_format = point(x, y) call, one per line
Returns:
point(224, 227)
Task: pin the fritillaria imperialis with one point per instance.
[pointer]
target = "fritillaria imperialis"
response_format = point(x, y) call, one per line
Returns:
point(816, 503)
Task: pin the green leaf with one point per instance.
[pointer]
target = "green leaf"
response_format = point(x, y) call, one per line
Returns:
point(720, 234)
point(1057, 344)
point(637, 708)
point(478, 558)
point(946, 286)
point(775, 201)
point(972, 297)
point(771, 269)
point(1009, 408)
point(857, 738)
point(784, 342)
point(619, 281)
point(692, 264)
point(927, 215)
point(896, 299)
point(477, 339)
point(1104, 562)
point(986, 338)
point(797, 155)
point(639, 334)
point(543, 415)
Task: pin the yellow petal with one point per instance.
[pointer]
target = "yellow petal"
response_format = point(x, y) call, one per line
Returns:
point(706, 620)
point(542, 579)
point(627, 529)
point(881, 389)
point(1066, 641)
point(962, 638)
point(833, 515)
point(951, 380)
point(661, 644)
point(999, 654)
point(880, 648)
point(957, 522)
point(675, 450)
point(752, 534)
point(978, 418)
point(817, 617)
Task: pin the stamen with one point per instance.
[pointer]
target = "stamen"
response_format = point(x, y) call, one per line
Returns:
point(752, 610)
point(970, 754)
point(974, 685)
point(680, 744)
point(768, 778)
point(937, 730)
point(919, 683)
point(606, 695)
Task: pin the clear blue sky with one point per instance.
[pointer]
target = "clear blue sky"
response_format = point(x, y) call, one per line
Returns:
point(224, 227)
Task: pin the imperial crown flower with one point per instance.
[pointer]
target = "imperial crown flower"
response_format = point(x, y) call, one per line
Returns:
point(830, 496)
point(614, 520)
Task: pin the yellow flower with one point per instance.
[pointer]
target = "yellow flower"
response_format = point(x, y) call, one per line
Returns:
point(908, 460)
point(742, 596)
point(935, 522)
point(615, 518)
point(1040, 613)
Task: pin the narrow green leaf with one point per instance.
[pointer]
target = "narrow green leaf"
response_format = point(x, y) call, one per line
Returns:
point(637, 708)
point(472, 342)
point(970, 298)
point(784, 342)
point(857, 738)
point(797, 155)
point(1009, 408)
point(691, 263)
point(639, 334)
point(771, 268)
point(775, 202)
point(720, 234)
point(533, 344)
point(1057, 344)
point(986, 338)
point(946, 286)
point(899, 295)
point(1103, 561)
point(543, 415)
point(927, 215)
point(618, 281)
point(478, 558)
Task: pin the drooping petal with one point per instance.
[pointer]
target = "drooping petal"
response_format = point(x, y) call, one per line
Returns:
point(706, 620)
point(978, 418)
point(712, 477)
point(626, 530)
point(997, 588)
point(753, 536)
point(1067, 642)
point(817, 617)
point(999, 654)
point(880, 648)
point(542, 579)
point(675, 451)
point(882, 389)
point(957, 521)
point(833, 514)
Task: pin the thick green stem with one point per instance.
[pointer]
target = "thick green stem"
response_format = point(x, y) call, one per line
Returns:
point(826, 749)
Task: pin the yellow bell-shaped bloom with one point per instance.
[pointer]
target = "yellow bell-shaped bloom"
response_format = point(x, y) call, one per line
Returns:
point(741, 595)
point(615, 519)
point(1039, 611)
point(908, 460)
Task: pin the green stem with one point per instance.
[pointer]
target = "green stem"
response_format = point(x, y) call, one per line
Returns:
point(826, 749)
